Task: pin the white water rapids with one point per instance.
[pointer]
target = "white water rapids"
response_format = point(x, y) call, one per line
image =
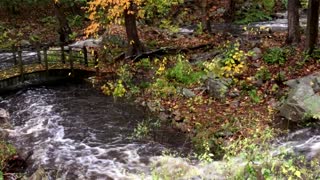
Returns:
point(80, 134)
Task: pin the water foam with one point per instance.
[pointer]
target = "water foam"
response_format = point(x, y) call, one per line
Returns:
point(39, 129)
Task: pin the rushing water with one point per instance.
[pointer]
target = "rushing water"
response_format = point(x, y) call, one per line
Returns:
point(7, 59)
point(75, 132)
point(79, 133)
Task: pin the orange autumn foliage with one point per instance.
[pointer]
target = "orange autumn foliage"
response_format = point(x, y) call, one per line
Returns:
point(113, 9)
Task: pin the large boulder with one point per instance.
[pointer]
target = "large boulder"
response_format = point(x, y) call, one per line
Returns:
point(217, 88)
point(303, 101)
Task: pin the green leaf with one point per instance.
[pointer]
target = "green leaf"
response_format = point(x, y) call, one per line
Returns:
point(298, 174)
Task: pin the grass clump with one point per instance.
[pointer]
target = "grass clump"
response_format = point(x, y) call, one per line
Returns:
point(183, 72)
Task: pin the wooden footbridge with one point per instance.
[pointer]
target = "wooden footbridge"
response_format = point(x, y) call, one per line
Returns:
point(21, 66)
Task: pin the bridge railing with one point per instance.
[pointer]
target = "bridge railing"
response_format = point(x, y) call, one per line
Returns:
point(20, 60)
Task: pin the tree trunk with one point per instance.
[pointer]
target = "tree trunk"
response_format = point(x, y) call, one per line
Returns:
point(230, 10)
point(64, 30)
point(135, 46)
point(293, 22)
point(312, 25)
point(205, 19)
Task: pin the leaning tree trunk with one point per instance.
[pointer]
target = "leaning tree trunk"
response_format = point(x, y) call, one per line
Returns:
point(64, 29)
point(312, 25)
point(135, 46)
point(293, 22)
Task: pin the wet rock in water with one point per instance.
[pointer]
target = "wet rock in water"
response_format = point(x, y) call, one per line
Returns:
point(4, 123)
point(4, 114)
point(303, 101)
point(4, 119)
point(3, 134)
point(217, 88)
point(40, 174)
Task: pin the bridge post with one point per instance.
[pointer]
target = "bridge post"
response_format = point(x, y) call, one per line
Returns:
point(45, 58)
point(71, 60)
point(20, 63)
point(14, 54)
point(63, 60)
point(38, 52)
point(85, 55)
point(96, 62)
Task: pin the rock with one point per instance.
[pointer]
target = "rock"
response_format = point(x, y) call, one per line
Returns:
point(4, 119)
point(203, 56)
point(93, 43)
point(186, 31)
point(258, 82)
point(3, 134)
point(155, 106)
point(3, 114)
point(25, 43)
point(163, 116)
point(188, 93)
point(253, 42)
point(175, 168)
point(303, 102)
point(256, 64)
point(151, 106)
point(235, 104)
point(217, 88)
point(177, 116)
point(40, 174)
point(234, 93)
point(257, 53)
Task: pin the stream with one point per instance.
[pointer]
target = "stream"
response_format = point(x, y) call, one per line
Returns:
point(75, 132)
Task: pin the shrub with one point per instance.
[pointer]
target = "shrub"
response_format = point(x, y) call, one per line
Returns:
point(161, 87)
point(115, 89)
point(275, 55)
point(144, 63)
point(255, 11)
point(183, 72)
point(263, 73)
point(231, 64)
point(6, 152)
